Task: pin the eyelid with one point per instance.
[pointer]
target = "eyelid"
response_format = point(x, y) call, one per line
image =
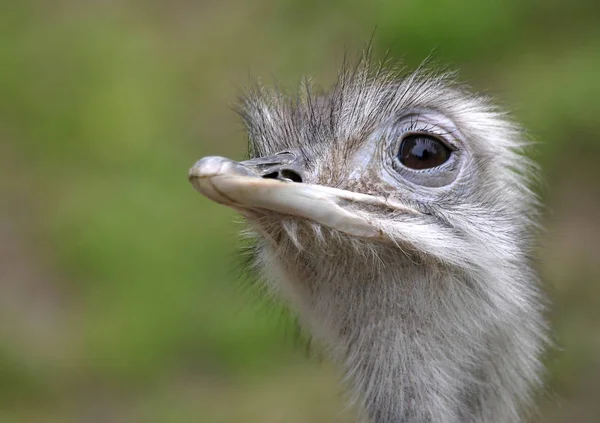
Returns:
point(451, 146)
point(428, 122)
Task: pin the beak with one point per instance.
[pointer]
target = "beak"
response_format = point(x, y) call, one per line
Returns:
point(275, 184)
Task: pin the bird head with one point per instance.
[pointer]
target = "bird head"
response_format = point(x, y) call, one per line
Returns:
point(411, 161)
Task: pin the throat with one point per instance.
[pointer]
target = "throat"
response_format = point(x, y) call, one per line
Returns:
point(385, 329)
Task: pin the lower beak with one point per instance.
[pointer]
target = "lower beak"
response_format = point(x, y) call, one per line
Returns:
point(239, 186)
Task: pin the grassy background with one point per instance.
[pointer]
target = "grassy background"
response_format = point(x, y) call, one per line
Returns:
point(118, 300)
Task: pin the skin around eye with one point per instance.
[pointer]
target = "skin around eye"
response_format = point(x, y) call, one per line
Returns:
point(422, 151)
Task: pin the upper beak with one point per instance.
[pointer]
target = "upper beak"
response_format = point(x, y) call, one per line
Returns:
point(268, 184)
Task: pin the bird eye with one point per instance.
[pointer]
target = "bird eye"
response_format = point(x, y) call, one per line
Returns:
point(422, 151)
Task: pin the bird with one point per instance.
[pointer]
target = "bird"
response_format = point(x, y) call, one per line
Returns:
point(396, 214)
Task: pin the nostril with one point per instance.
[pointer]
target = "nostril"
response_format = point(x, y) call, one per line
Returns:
point(272, 175)
point(284, 175)
point(291, 175)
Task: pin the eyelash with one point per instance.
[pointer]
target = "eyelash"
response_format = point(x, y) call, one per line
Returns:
point(415, 126)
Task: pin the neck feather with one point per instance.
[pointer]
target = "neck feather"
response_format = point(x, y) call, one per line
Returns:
point(419, 341)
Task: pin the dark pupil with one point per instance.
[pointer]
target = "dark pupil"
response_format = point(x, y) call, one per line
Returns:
point(422, 152)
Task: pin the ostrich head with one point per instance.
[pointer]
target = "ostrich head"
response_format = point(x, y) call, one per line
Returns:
point(394, 215)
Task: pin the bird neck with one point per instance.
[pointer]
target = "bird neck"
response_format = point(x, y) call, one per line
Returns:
point(419, 341)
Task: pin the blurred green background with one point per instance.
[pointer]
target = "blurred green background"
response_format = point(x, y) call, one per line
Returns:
point(118, 300)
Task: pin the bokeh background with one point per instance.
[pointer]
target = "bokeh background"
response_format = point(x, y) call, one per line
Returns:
point(118, 293)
